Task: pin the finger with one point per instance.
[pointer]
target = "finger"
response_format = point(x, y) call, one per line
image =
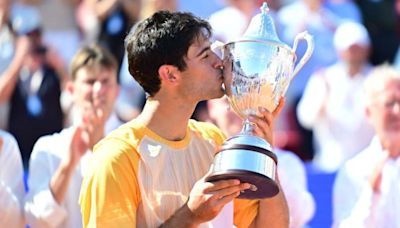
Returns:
point(278, 109)
point(218, 185)
point(226, 199)
point(266, 115)
point(230, 190)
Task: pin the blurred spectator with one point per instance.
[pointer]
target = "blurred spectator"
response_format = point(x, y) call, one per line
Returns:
point(59, 161)
point(332, 104)
point(291, 171)
point(321, 23)
point(31, 85)
point(230, 22)
point(6, 51)
point(116, 18)
point(381, 18)
point(366, 190)
point(60, 28)
point(11, 183)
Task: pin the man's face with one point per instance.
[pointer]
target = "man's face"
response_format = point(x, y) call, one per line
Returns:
point(95, 87)
point(384, 112)
point(202, 79)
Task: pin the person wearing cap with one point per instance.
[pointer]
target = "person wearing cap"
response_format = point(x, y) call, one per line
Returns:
point(59, 161)
point(12, 190)
point(366, 189)
point(332, 104)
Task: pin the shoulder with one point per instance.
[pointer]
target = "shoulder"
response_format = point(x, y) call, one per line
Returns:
point(8, 144)
point(55, 143)
point(207, 131)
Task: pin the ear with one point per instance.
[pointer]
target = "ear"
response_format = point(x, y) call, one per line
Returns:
point(70, 87)
point(168, 74)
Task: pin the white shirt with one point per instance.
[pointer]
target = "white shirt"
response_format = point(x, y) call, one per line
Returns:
point(41, 209)
point(11, 183)
point(292, 177)
point(355, 204)
point(340, 129)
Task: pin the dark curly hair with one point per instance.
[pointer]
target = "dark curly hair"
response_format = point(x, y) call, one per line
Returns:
point(163, 38)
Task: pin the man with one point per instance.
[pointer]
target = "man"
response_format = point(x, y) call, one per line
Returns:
point(151, 171)
point(331, 105)
point(59, 161)
point(11, 183)
point(31, 85)
point(366, 189)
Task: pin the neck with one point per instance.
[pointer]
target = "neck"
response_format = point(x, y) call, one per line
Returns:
point(353, 68)
point(168, 119)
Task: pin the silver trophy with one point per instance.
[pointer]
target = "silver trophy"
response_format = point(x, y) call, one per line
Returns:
point(257, 72)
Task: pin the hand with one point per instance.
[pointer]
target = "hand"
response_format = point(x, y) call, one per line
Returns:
point(376, 175)
point(94, 121)
point(207, 199)
point(78, 147)
point(264, 121)
point(1, 144)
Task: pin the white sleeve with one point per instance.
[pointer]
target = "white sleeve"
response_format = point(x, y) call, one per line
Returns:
point(11, 184)
point(41, 209)
point(352, 200)
point(292, 177)
point(310, 105)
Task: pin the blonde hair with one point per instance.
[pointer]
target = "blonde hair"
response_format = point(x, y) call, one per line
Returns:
point(378, 79)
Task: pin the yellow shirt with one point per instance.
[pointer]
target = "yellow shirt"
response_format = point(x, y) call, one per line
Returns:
point(138, 179)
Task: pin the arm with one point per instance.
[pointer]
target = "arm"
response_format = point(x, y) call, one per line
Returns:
point(206, 201)
point(272, 211)
point(311, 106)
point(110, 192)
point(292, 176)
point(9, 78)
point(131, 8)
point(355, 198)
point(103, 8)
point(11, 183)
point(41, 206)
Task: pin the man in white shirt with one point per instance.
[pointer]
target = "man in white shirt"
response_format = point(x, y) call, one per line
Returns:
point(367, 187)
point(58, 161)
point(332, 102)
point(11, 182)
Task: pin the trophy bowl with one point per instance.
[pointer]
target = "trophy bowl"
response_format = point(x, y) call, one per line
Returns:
point(257, 73)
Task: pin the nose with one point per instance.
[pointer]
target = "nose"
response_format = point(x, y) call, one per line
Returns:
point(218, 64)
point(98, 88)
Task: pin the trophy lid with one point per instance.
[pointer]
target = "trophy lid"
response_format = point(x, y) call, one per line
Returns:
point(262, 27)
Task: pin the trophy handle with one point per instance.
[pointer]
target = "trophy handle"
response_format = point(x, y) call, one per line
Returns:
point(310, 48)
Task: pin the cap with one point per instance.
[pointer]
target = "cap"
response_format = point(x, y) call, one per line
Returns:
point(350, 33)
point(25, 20)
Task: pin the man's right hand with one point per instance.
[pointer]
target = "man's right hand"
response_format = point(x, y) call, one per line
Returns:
point(207, 199)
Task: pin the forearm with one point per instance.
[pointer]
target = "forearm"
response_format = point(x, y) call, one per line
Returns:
point(103, 8)
point(272, 211)
point(10, 208)
point(60, 181)
point(183, 217)
point(131, 8)
point(8, 81)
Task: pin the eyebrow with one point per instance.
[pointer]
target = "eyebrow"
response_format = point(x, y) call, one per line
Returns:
point(202, 51)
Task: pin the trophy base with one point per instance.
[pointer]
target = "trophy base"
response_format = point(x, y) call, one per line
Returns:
point(265, 186)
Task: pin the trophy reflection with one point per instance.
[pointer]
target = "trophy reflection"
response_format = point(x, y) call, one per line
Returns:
point(257, 71)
